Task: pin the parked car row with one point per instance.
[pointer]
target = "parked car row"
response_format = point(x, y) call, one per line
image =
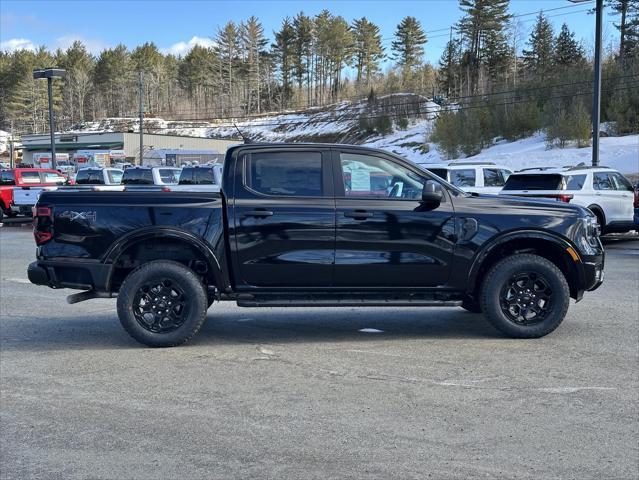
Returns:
point(605, 191)
point(21, 187)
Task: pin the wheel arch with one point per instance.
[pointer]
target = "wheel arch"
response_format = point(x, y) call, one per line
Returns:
point(599, 212)
point(162, 237)
point(547, 245)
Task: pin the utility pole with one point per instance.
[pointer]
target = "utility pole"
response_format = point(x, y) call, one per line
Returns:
point(11, 162)
point(141, 85)
point(596, 97)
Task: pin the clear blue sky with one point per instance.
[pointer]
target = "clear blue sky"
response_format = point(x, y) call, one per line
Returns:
point(172, 24)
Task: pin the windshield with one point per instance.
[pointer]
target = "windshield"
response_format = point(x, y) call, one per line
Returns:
point(534, 182)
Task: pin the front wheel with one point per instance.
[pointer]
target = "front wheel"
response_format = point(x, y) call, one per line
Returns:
point(162, 304)
point(525, 296)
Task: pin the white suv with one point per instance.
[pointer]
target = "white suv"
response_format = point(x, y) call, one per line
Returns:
point(606, 192)
point(484, 177)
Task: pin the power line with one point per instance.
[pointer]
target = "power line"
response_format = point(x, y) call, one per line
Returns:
point(420, 112)
point(410, 103)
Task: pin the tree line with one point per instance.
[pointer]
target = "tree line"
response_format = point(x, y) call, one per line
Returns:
point(309, 61)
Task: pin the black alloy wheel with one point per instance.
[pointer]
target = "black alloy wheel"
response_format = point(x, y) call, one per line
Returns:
point(526, 298)
point(160, 306)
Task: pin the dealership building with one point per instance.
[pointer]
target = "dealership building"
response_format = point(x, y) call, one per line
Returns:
point(158, 149)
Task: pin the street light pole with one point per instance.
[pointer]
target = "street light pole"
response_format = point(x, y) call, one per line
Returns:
point(141, 86)
point(51, 128)
point(596, 97)
point(50, 74)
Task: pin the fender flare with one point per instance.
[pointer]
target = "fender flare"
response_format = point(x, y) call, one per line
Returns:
point(487, 249)
point(145, 234)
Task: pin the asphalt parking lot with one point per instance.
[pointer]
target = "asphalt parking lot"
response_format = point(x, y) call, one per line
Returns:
point(317, 393)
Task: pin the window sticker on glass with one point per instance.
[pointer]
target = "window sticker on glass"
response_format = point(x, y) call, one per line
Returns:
point(361, 180)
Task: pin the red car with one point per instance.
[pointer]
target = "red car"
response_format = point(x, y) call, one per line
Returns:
point(24, 177)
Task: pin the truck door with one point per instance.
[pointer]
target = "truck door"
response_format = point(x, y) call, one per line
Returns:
point(284, 218)
point(385, 236)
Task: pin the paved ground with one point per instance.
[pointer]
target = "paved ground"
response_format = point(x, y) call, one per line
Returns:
point(303, 393)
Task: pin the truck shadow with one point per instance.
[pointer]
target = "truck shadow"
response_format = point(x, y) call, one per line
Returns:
point(241, 326)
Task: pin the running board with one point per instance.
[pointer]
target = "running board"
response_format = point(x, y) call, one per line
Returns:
point(88, 295)
point(341, 300)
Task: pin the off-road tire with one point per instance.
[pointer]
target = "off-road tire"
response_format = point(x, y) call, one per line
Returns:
point(176, 274)
point(497, 279)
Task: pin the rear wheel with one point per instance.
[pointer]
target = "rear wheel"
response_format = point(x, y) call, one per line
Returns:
point(525, 296)
point(162, 304)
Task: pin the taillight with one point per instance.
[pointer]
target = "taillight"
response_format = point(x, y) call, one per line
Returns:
point(166, 189)
point(42, 224)
point(564, 198)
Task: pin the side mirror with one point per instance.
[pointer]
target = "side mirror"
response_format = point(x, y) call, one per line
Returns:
point(432, 194)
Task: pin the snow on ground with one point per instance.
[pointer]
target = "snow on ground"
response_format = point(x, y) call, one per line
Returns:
point(4, 141)
point(620, 153)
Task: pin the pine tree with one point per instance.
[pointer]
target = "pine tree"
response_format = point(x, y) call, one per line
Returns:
point(368, 50)
point(340, 50)
point(408, 46)
point(253, 43)
point(303, 26)
point(79, 64)
point(567, 50)
point(227, 46)
point(283, 52)
point(628, 27)
point(113, 77)
point(483, 28)
point(538, 60)
point(449, 68)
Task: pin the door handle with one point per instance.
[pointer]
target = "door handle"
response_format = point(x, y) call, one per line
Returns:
point(358, 214)
point(258, 213)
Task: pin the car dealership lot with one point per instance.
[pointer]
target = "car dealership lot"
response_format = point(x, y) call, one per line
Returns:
point(314, 392)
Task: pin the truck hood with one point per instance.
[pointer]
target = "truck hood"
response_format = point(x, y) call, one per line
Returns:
point(548, 206)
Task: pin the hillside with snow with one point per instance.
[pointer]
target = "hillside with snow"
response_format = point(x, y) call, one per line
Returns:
point(341, 123)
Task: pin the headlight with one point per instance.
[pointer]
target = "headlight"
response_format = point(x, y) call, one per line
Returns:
point(588, 235)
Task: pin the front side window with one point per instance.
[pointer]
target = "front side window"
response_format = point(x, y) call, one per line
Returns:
point(50, 177)
point(285, 173)
point(621, 182)
point(369, 176)
point(463, 178)
point(493, 178)
point(440, 172)
point(602, 181)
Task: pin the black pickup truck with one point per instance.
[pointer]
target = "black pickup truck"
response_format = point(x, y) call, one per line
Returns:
point(316, 225)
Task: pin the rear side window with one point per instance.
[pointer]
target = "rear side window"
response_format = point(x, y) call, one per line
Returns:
point(285, 173)
point(137, 176)
point(30, 177)
point(463, 178)
point(493, 178)
point(575, 182)
point(534, 182)
point(89, 177)
point(440, 172)
point(7, 178)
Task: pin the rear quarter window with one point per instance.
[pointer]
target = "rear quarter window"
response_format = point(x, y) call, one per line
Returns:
point(575, 182)
point(534, 182)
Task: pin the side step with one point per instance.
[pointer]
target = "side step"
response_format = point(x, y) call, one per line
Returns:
point(366, 299)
